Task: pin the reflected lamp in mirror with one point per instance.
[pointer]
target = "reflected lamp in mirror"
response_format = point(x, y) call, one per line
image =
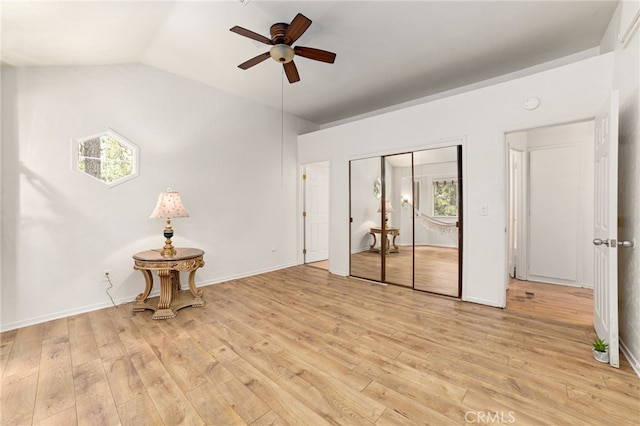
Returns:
point(388, 208)
point(169, 206)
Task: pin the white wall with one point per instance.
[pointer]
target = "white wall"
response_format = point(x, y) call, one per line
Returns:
point(481, 117)
point(626, 80)
point(60, 229)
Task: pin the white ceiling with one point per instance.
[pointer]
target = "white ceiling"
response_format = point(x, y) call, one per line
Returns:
point(388, 52)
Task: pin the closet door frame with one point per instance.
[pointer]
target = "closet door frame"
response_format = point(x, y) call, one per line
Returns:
point(458, 144)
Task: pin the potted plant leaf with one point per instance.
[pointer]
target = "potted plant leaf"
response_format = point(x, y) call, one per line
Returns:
point(600, 350)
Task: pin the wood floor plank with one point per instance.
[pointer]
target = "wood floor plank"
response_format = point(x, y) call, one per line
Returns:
point(332, 387)
point(212, 407)
point(106, 335)
point(540, 299)
point(94, 402)
point(171, 404)
point(481, 404)
point(64, 417)
point(270, 419)
point(24, 358)
point(124, 382)
point(289, 408)
point(82, 340)
point(139, 411)
point(187, 364)
point(516, 389)
point(302, 346)
point(6, 344)
point(612, 408)
point(403, 409)
point(55, 380)
point(18, 399)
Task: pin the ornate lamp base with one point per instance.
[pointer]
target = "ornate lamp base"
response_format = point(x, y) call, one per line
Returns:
point(168, 250)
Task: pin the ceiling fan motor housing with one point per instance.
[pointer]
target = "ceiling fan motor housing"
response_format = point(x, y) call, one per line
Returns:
point(281, 51)
point(278, 31)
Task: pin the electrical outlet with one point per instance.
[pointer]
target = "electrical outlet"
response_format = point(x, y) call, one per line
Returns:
point(106, 274)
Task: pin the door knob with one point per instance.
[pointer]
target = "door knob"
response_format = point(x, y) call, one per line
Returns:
point(627, 243)
point(599, 242)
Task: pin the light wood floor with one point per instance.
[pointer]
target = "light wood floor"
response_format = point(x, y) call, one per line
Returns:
point(436, 268)
point(302, 346)
point(567, 304)
point(322, 264)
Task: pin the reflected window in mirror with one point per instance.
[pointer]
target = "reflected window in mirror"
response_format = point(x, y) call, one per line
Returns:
point(445, 197)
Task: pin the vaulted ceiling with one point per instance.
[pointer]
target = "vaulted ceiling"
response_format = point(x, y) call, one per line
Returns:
point(388, 52)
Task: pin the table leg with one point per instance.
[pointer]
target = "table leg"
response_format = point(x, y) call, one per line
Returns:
point(372, 247)
point(148, 280)
point(197, 294)
point(175, 280)
point(395, 247)
point(166, 295)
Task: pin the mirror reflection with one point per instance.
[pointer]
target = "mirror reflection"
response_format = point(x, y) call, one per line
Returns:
point(432, 197)
point(366, 192)
point(405, 227)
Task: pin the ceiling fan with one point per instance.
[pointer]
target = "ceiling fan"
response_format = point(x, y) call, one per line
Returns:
point(282, 37)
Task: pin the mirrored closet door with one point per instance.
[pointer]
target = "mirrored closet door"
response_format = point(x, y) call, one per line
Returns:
point(406, 219)
point(398, 258)
point(365, 192)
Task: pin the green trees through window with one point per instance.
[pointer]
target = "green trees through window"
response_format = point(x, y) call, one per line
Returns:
point(445, 198)
point(107, 157)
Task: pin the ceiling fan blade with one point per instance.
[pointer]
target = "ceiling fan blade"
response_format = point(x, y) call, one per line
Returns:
point(248, 33)
point(315, 54)
point(296, 28)
point(291, 71)
point(254, 61)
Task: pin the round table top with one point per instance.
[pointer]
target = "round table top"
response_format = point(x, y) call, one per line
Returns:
point(156, 256)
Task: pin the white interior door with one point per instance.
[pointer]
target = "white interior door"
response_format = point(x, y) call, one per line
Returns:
point(316, 194)
point(605, 294)
point(554, 220)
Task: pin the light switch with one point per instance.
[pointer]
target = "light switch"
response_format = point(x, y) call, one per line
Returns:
point(484, 210)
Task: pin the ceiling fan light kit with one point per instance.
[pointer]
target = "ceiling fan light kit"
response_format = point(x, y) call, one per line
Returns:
point(282, 37)
point(282, 53)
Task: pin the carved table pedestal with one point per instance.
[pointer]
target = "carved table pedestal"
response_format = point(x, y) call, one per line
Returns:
point(171, 296)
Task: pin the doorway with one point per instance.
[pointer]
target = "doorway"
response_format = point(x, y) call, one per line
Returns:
point(315, 178)
point(406, 219)
point(550, 204)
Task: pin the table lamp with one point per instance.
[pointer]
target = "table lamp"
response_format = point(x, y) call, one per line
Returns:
point(169, 206)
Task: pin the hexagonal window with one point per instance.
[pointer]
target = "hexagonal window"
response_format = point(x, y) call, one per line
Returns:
point(108, 157)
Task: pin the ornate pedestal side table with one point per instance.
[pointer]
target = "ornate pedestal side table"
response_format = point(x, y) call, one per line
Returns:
point(171, 297)
point(391, 246)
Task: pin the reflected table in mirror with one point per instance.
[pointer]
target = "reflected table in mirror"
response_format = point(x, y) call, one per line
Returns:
point(171, 298)
point(391, 245)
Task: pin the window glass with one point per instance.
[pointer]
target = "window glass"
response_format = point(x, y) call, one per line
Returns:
point(445, 197)
point(107, 157)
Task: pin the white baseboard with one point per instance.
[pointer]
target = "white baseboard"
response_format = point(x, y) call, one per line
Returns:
point(244, 275)
point(633, 361)
point(547, 280)
point(126, 299)
point(62, 314)
point(480, 301)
